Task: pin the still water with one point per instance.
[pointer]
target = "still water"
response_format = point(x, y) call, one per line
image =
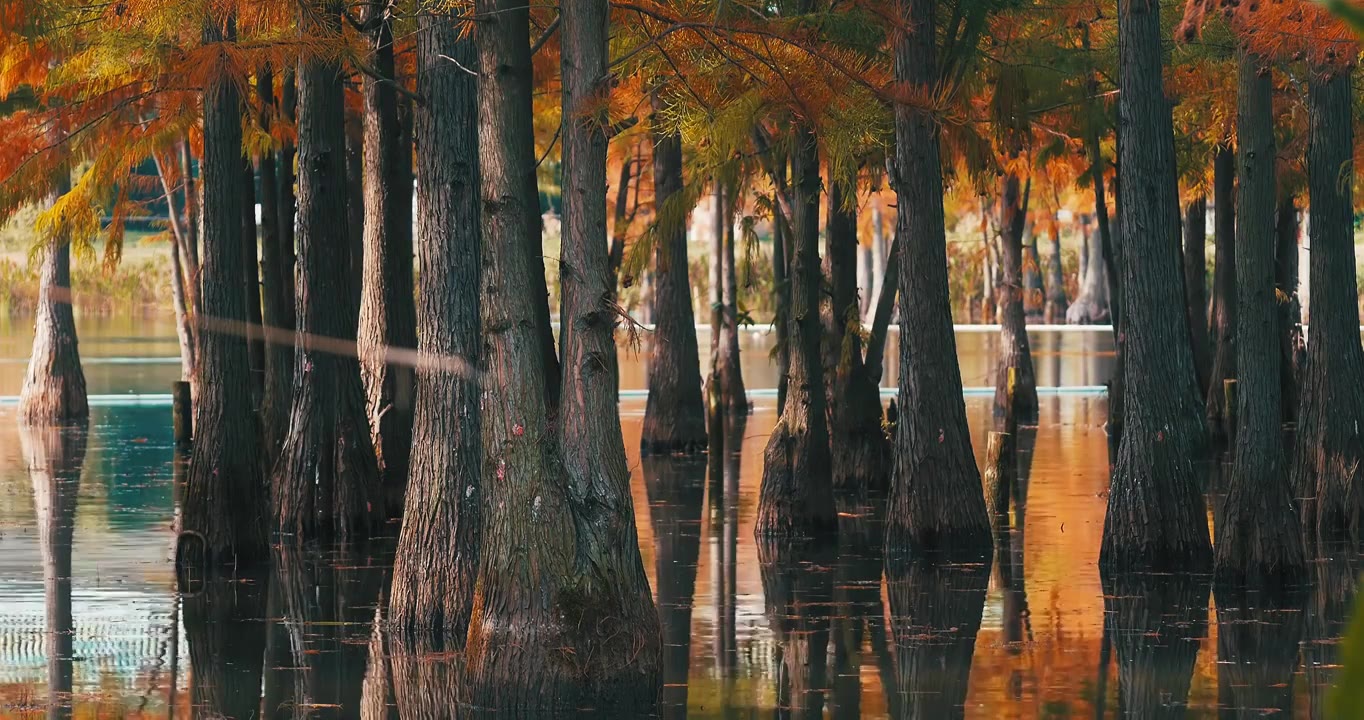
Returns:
point(89, 621)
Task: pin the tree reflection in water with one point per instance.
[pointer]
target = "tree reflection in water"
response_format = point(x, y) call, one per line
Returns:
point(676, 489)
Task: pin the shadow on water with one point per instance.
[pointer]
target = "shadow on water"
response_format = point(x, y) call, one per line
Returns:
point(55, 456)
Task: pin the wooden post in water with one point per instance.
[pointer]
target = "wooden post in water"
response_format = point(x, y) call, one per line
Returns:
point(182, 412)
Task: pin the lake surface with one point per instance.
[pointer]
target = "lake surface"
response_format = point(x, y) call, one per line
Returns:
point(85, 571)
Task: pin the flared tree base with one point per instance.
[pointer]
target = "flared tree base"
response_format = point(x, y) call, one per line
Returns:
point(795, 499)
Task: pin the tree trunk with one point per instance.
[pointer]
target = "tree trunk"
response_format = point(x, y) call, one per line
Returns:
point(388, 315)
point(288, 205)
point(432, 593)
point(1291, 343)
point(860, 456)
point(1156, 624)
point(1057, 304)
point(277, 274)
point(1224, 302)
point(936, 502)
point(54, 384)
point(1156, 516)
point(223, 621)
point(55, 455)
point(1195, 286)
point(584, 615)
point(1034, 283)
point(1014, 351)
point(798, 604)
point(879, 256)
point(781, 287)
point(255, 340)
point(1091, 306)
point(794, 498)
point(193, 204)
point(674, 416)
point(676, 490)
point(727, 360)
point(355, 205)
point(880, 323)
point(1258, 537)
point(326, 483)
point(935, 612)
point(1330, 453)
point(223, 522)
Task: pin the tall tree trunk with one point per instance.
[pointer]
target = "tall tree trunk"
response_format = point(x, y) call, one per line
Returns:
point(1091, 306)
point(433, 587)
point(936, 502)
point(288, 202)
point(55, 455)
point(1156, 516)
point(1258, 537)
point(54, 384)
point(588, 596)
point(1330, 451)
point(781, 288)
point(676, 489)
point(860, 457)
point(1014, 351)
point(1057, 304)
point(193, 205)
point(355, 206)
point(1156, 624)
point(1224, 302)
point(935, 612)
point(795, 497)
point(879, 256)
point(674, 415)
point(1034, 282)
point(255, 340)
point(1195, 286)
point(727, 358)
point(388, 314)
point(326, 482)
point(277, 275)
point(223, 522)
point(1291, 343)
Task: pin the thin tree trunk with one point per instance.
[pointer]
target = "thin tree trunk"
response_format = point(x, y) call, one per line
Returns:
point(388, 315)
point(1057, 304)
point(620, 225)
point(936, 502)
point(223, 522)
point(54, 384)
point(1195, 286)
point(1258, 539)
point(674, 415)
point(277, 278)
point(1156, 516)
point(1291, 343)
point(574, 533)
point(727, 360)
point(433, 588)
point(1224, 303)
point(181, 293)
point(1014, 351)
point(795, 498)
point(1330, 452)
point(860, 457)
point(255, 340)
point(326, 482)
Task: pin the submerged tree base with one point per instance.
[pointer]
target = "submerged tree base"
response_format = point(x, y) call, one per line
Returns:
point(795, 500)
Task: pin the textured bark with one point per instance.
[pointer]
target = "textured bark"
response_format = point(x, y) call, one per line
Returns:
point(1091, 305)
point(795, 497)
point(55, 455)
point(277, 274)
point(674, 416)
point(1195, 286)
point(1258, 635)
point(1014, 351)
point(388, 315)
point(223, 521)
point(781, 288)
point(1034, 284)
point(224, 628)
point(935, 613)
point(1057, 304)
point(561, 585)
point(54, 384)
point(936, 501)
point(1329, 451)
point(1156, 623)
point(798, 600)
point(1156, 517)
point(1258, 538)
point(438, 546)
point(1292, 347)
point(860, 457)
point(328, 603)
point(1224, 302)
point(255, 339)
point(727, 355)
point(676, 489)
point(326, 483)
